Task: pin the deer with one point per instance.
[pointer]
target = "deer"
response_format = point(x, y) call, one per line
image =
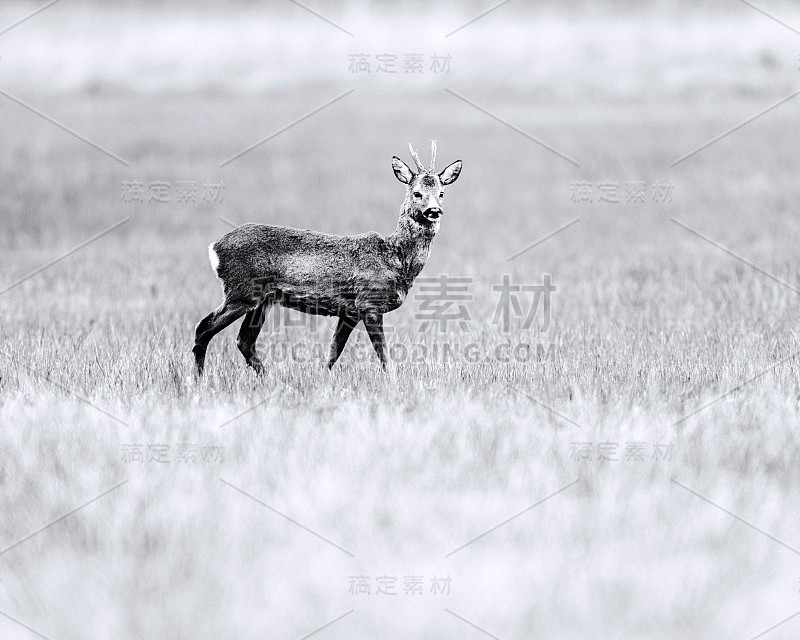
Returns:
point(357, 278)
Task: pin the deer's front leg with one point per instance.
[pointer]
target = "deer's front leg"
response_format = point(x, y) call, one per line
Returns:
point(343, 330)
point(374, 327)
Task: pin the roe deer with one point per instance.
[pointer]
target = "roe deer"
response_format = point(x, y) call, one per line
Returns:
point(356, 278)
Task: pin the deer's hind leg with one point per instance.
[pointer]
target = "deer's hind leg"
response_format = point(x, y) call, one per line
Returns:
point(248, 334)
point(224, 315)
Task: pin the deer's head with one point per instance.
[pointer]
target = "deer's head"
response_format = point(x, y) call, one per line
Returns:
point(425, 196)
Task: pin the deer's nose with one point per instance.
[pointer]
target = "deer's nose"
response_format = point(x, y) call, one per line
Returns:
point(433, 212)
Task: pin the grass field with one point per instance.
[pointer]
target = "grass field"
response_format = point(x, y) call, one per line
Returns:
point(658, 338)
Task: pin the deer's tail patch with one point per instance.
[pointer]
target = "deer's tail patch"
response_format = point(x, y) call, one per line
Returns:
point(213, 258)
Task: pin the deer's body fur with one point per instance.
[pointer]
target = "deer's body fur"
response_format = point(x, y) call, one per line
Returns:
point(355, 278)
point(317, 272)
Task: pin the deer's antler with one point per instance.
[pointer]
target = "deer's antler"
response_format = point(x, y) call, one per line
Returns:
point(433, 155)
point(416, 158)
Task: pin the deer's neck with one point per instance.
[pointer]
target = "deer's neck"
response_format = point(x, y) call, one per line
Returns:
point(411, 242)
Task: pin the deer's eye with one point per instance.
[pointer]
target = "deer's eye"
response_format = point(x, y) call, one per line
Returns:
point(441, 195)
point(417, 194)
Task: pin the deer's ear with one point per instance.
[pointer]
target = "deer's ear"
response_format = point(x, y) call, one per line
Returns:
point(450, 173)
point(401, 170)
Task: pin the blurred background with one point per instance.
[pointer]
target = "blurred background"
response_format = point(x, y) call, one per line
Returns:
point(136, 133)
point(547, 49)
